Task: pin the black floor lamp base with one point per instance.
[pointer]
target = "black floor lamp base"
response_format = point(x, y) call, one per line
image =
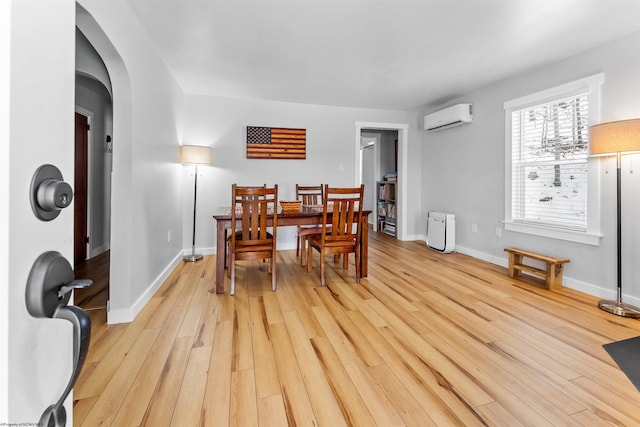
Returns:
point(619, 308)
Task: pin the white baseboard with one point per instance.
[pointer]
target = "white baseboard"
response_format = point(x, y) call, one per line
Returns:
point(282, 246)
point(503, 262)
point(568, 282)
point(286, 246)
point(201, 251)
point(413, 237)
point(94, 252)
point(121, 315)
point(125, 315)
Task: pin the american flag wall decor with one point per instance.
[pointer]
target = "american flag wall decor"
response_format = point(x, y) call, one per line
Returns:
point(276, 143)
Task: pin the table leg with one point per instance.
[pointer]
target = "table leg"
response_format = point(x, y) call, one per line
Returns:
point(220, 255)
point(364, 248)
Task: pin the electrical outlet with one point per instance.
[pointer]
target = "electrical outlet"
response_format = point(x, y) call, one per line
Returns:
point(169, 236)
point(498, 232)
point(474, 228)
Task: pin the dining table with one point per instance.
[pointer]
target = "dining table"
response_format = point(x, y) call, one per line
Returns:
point(305, 215)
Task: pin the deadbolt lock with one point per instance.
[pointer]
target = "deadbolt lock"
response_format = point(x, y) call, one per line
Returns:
point(49, 193)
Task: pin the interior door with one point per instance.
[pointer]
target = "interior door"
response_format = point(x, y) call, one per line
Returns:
point(368, 172)
point(38, 351)
point(80, 234)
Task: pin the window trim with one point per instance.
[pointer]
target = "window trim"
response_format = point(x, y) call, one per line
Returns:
point(592, 235)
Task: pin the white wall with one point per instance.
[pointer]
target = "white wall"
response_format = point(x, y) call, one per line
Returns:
point(387, 153)
point(331, 154)
point(5, 32)
point(147, 179)
point(89, 63)
point(464, 171)
point(42, 108)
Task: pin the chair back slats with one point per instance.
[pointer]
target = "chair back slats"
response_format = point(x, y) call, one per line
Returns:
point(309, 194)
point(341, 227)
point(254, 205)
point(345, 205)
point(251, 217)
point(251, 238)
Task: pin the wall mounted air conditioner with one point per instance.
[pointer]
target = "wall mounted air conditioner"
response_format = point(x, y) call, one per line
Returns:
point(449, 117)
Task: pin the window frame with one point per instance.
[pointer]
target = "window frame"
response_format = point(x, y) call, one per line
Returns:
point(592, 235)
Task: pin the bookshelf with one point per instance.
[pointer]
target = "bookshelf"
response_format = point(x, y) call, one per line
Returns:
point(386, 206)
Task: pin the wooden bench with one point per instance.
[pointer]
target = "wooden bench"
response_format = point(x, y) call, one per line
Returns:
point(552, 274)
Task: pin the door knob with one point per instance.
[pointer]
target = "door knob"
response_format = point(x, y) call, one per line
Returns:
point(49, 193)
point(49, 287)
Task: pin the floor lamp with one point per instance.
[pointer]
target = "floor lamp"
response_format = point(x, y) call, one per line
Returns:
point(609, 139)
point(194, 155)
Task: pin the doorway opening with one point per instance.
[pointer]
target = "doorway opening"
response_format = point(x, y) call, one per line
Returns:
point(92, 192)
point(81, 167)
point(388, 158)
point(369, 170)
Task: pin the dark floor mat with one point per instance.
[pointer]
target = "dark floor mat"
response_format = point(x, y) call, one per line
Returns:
point(626, 354)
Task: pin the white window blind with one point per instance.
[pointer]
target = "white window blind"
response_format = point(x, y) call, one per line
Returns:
point(549, 163)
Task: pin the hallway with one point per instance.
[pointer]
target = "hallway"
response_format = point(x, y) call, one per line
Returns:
point(96, 296)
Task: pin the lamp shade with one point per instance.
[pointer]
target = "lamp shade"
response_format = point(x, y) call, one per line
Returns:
point(614, 137)
point(195, 155)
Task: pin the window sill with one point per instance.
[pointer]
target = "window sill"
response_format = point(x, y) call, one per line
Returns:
point(584, 237)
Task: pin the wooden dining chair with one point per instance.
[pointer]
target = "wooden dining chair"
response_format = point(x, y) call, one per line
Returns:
point(341, 228)
point(309, 195)
point(250, 238)
point(234, 208)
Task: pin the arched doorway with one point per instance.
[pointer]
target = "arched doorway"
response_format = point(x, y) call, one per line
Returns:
point(121, 176)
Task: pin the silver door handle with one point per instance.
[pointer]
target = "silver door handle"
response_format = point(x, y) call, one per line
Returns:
point(49, 287)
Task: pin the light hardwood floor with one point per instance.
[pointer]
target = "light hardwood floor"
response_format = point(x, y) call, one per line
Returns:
point(426, 339)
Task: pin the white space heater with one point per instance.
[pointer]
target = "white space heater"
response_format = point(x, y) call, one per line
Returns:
point(441, 231)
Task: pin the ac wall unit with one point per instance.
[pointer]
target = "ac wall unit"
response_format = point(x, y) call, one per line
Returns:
point(449, 117)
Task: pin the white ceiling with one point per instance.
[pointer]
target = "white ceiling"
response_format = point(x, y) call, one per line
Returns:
point(401, 55)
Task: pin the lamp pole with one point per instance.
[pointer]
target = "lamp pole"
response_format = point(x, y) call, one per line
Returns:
point(607, 139)
point(617, 307)
point(619, 219)
point(196, 155)
point(194, 257)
